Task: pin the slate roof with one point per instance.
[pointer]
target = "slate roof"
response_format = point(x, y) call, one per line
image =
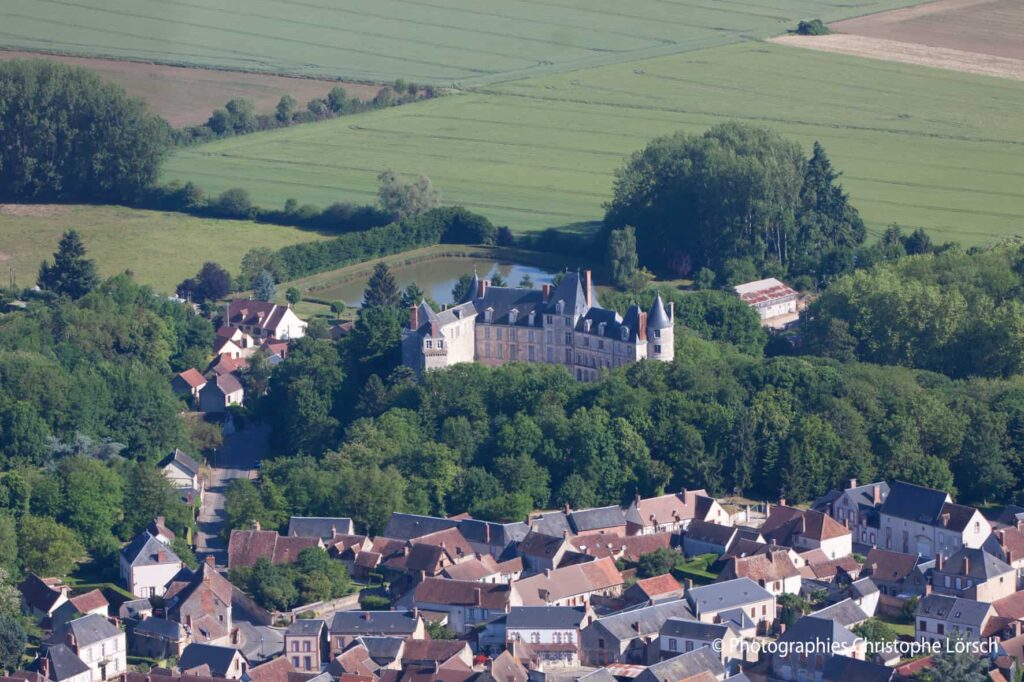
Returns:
point(846, 669)
point(955, 516)
point(403, 526)
point(784, 524)
point(545, 617)
point(888, 566)
point(711, 533)
point(953, 609)
point(64, 663)
point(304, 627)
point(382, 648)
point(658, 319)
point(980, 564)
point(597, 519)
point(553, 524)
point(503, 300)
point(38, 594)
point(430, 650)
point(87, 630)
point(726, 595)
point(570, 291)
point(541, 545)
point(227, 383)
point(249, 312)
point(645, 620)
point(160, 627)
point(914, 503)
point(396, 623)
point(816, 629)
point(218, 658)
point(146, 550)
point(181, 459)
point(847, 613)
point(488, 532)
point(319, 526)
point(134, 608)
point(692, 629)
point(684, 666)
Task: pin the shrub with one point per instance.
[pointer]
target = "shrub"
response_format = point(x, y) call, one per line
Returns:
point(814, 27)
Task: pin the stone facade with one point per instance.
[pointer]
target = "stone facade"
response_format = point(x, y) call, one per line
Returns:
point(561, 325)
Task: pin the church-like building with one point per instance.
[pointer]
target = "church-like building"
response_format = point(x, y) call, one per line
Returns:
point(561, 324)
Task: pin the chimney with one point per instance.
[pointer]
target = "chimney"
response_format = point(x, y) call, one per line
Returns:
point(565, 534)
point(433, 329)
point(256, 525)
point(161, 556)
point(938, 562)
point(210, 561)
point(967, 565)
point(159, 520)
point(878, 493)
point(414, 317)
point(366, 615)
point(188, 620)
point(568, 509)
point(853, 482)
point(71, 639)
point(44, 667)
point(671, 311)
point(478, 597)
point(587, 290)
point(234, 636)
point(927, 589)
point(688, 584)
point(546, 289)
point(641, 331)
point(334, 530)
point(482, 290)
point(415, 613)
point(769, 555)
point(782, 501)
point(547, 572)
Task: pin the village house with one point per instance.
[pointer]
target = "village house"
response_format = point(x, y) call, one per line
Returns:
point(681, 635)
point(467, 603)
point(702, 537)
point(894, 572)
point(598, 521)
point(569, 586)
point(1007, 543)
point(88, 603)
point(264, 320)
point(629, 548)
point(776, 304)
point(699, 665)
point(158, 638)
point(630, 636)
point(846, 612)
point(856, 508)
point(806, 529)
point(542, 552)
point(217, 661)
point(183, 473)
point(918, 520)
point(233, 343)
point(58, 663)
point(201, 601)
point(975, 574)
point(246, 547)
point(148, 565)
point(483, 568)
point(98, 642)
point(306, 645)
point(158, 529)
point(773, 570)
point(561, 324)
point(939, 616)
point(402, 526)
point(834, 639)
point(220, 393)
point(187, 384)
point(346, 626)
point(436, 652)
point(553, 632)
point(488, 537)
point(40, 597)
point(656, 588)
point(673, 512)
point(733, 600)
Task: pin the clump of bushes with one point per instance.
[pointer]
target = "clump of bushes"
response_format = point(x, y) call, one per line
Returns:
point(814, 27)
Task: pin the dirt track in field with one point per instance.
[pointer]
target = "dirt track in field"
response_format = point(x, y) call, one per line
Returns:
point(910, 53)
point(187, 96)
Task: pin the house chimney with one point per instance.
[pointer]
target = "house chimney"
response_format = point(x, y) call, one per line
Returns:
point(256, 525)
point(565, 534)
point(938, 562)
point(547, 572)
point(546, 292)
point(210, 561)
point(641, 330)
point(478, 597)
point(482, 291)
point(927, 589)
point(414, 317)
point(877, 493)
point(587, 290)
point(188, 620)
point(161, 556)
point(967, 565)
point(44, 667)
point(234, 636)
point(768, 554)
point(366, 615)
point(853, 482)
point(159, 520)
point(72, 641)
point(782, 501)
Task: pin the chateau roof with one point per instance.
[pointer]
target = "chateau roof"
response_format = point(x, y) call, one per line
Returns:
point(658, 319)
point(914, 503)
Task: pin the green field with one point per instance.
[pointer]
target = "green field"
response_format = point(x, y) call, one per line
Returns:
point(160, 248)
point(450, 42)
point(917, 146)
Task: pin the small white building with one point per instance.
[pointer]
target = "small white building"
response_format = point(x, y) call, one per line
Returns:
point(221, 393)
point(772, 300)
point(264, 320)
point(99, 643)
point(148, 565)
point(553, 632)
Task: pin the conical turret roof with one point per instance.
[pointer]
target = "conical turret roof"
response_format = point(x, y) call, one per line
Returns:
point(658, 318)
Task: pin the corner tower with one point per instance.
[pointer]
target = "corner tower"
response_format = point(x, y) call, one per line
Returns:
point(661, 342)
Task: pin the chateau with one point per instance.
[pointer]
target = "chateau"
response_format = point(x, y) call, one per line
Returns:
point(561, 324)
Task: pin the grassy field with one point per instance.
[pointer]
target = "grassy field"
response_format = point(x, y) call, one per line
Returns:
point(917, 146)
point(451, 42)
point(160, 248)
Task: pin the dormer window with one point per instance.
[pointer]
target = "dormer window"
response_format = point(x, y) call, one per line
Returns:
point(560, 306)
point(531, 317)
point(586, 325)
point(489, 315)
point(513, 315)
point(601, 327)
point(625, 333)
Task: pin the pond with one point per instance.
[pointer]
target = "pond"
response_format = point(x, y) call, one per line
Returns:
point(437, 278)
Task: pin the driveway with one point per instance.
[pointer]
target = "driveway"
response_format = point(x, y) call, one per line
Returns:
point(239, 457)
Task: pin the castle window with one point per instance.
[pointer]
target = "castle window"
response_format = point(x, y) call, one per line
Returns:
point(529, 335)
point(488, 315)
point(549, 320)
point(657, 333)
point(430, 344)
point(551, 337)
point(657, 348)
point(512, 354)
point(487, 332)
point(497, 334)
point(487, 350)
point(559, 307)
point(625, 332)
point(568, 356)
point(551, 354)
point(586, 341)
point(568, 339)
point(513, 315)
point(501, 351)
point(600, 344)
point(532, 354)
point(586, 325)
point(532, 317)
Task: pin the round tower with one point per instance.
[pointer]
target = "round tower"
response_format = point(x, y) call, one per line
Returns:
point(661, 342)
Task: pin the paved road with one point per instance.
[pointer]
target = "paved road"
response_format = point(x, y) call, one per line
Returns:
point(239, 457)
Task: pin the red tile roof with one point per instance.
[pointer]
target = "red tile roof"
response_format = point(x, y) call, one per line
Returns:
point(275, 670)
point(192, 377)
point(462, 593)
point(93, 599)
point(245, 547)
point(659, 584)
